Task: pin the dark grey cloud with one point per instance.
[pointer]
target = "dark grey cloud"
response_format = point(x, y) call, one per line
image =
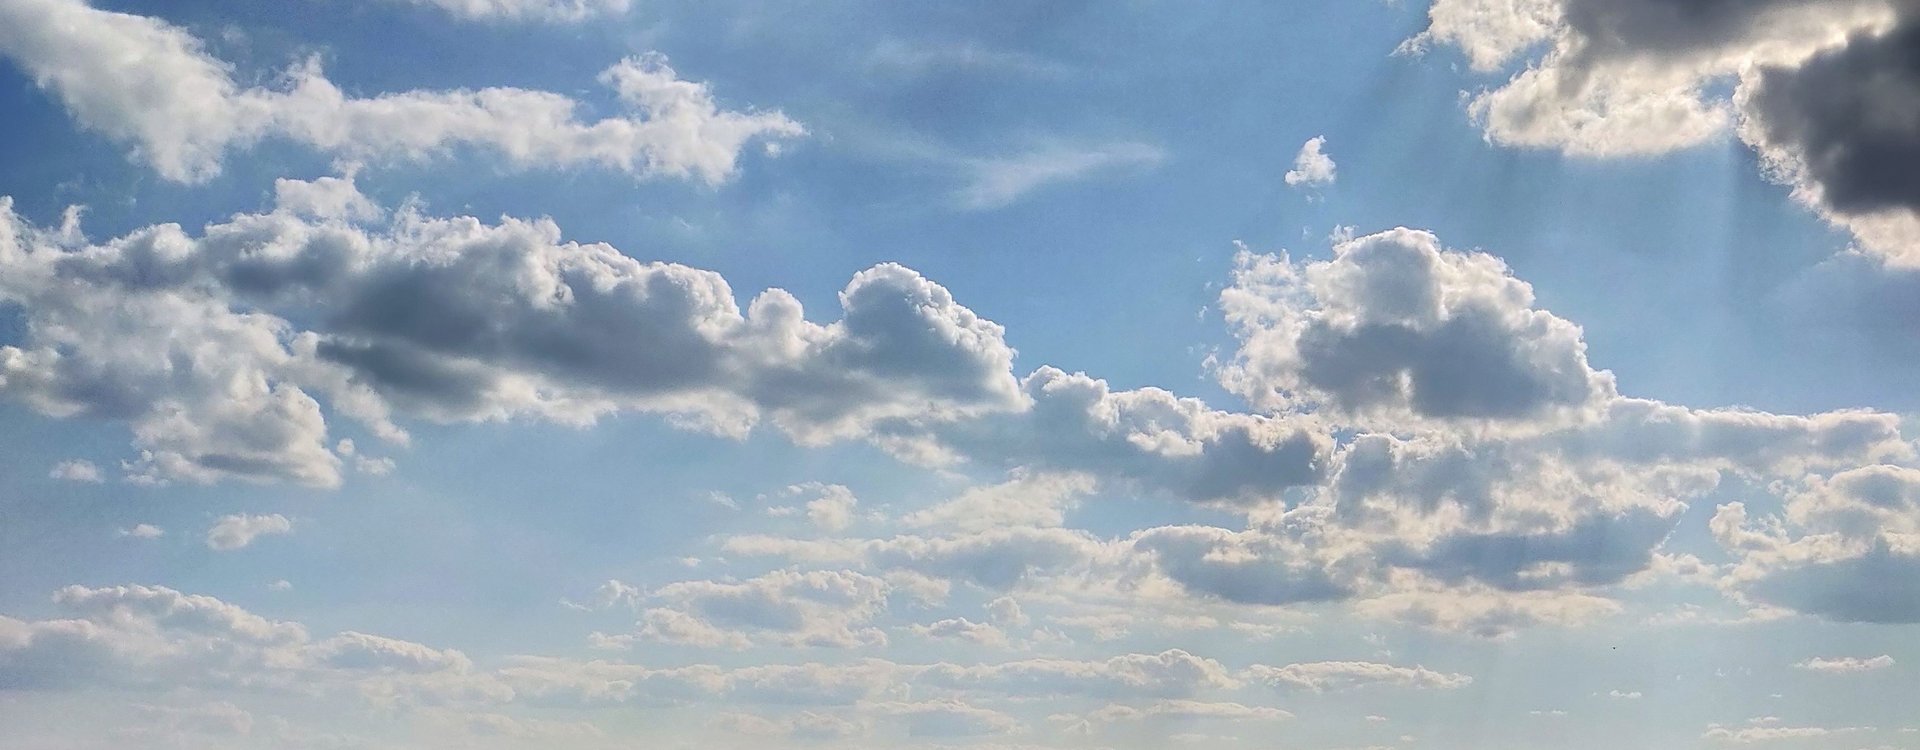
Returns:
point(1848, 119)
point(1881, 586)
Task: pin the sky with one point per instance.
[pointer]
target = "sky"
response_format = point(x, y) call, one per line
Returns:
point(582, 374)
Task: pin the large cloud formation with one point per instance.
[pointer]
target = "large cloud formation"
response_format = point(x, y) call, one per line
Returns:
point(211, 346)
point(152, 86)
point(1422, 428)
point(219, 347)
point(1824, 90)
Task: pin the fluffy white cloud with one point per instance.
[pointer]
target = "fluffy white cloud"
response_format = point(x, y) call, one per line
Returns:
point(151, 85)
point(237, 531)
point(451, 320)
point(528, 10)
point(1395, 327)
point(963, 629)
point(1845, 664)
point(77, 470)
point(1026, 499)
point(1312, 167)
point(1343, 675)
point(1769, 733)
point(833, 509)
point(945, 718)
point(818, 608)
point(1846, 547)
point(1188, 710)
point(143, 531)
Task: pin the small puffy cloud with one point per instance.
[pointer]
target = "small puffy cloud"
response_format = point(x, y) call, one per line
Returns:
point(1189, 710)
point(77, 470)
point(181, 111)
point(1172, 673)
point(962, 629)
point(1769, 731)
point(831, 609)
point(1312, 167)
point(142, 531)
point(361, 651)
point(1006, 612)
point(1847, 664)
point(945, 718)
point(833, 509)
point(558, 11)
point(1026, 499)
point(237, 531)
point(1345, 675)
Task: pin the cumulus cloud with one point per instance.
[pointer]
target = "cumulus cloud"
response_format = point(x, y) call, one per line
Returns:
point(1845, 547)
point(945, 718)
point(451, 320)
point(152, 86)
point(143, 531)
point(1026, 499)
point(77, 470)
point(1395, 326)
point(237, 531)
point(1344, 675)
point(1845, 664)
point(1822, 90)
point(527, 10)
point(962, 629)
point(1312, 167)
point(1188, 710)
point(818, 608)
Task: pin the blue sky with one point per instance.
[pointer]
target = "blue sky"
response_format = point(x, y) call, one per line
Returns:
point(595, 374)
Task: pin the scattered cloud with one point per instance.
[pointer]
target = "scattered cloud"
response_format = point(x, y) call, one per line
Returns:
point(1312, 167)
point(238, 531)
point(181, 111)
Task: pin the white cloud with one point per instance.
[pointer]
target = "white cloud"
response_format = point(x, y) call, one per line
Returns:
point(1845, 664)
point(143, 531)
point(833, 509)
point(1820, 89)
point(1000, 181)
point(945, 718)
point(569, 11)
point(237, 531)
point(77, 470)
point(1396, 327)
point(1345, 675)
point(568, 332)
point(1312, 167)
point(963, 629)
point(1025, 499)
point(1188, 710)
point(181, 110)
point(831, 609)
point(1770, 733)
